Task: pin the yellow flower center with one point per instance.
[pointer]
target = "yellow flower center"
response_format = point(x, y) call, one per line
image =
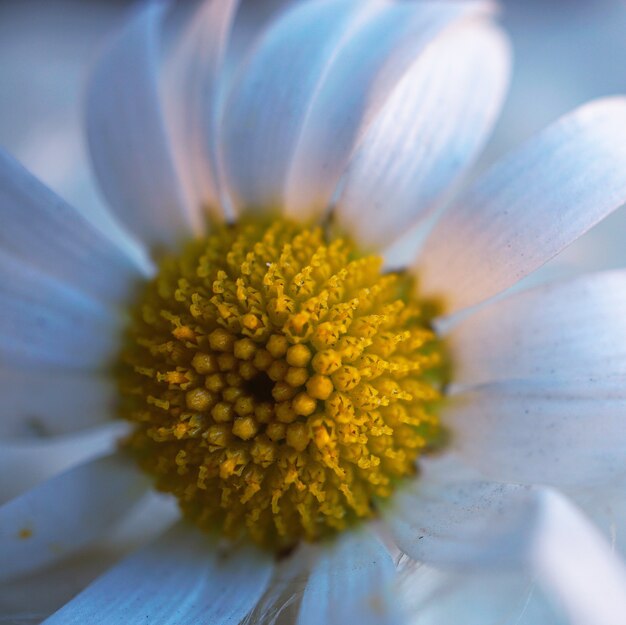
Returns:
point(279, 384)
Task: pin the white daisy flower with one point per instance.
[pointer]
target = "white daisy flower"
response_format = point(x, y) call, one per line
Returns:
point(262, 364)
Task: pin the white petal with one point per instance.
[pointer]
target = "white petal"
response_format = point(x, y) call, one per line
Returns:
point(251, 21)
point(51, 403)
point(43, 592)
point(150, 518)
point(45, 322)
point(562, 433)
point(280, 602)
point(436, 597)
point(269, 102)
point(550, 333)
point(29, 462)
point(481, 524)
point(576, 566)
point(429, 132)
point(192, 96)
point(351, 582)
point(528, 207)
point(127, 135)
point(62, 515)
point(359, 81)
point(31, 599)
point(605, 505)
point(40, 229)
point(460, 522)
point(180, 578)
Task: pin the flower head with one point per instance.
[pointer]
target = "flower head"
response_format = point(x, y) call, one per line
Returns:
point(281, 385)
point(281, 378)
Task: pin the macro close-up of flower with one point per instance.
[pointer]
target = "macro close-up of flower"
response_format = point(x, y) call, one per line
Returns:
point(239, 399)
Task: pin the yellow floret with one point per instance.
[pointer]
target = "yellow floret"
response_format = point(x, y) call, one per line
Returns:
point(280, 386)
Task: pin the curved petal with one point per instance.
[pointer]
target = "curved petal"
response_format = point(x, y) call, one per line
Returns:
point(45, 323)
point(434, 124)
point(52, 403)
point(280, 602)
point(605, 505)
point(41, 230)
point(31, 599)
point(357, 84)
point(453, 520)
point(548, 334)
point(435, 596)
point(576, 566)
point(528, 207)
point(351, 582)
point(180, 578)
point(127, 134)
point(34, 597)
point(480, 524)
point(251, 21)
point(268, 104)
point(31, 461)
point(62, 515)
point(192, 99)
point(568, 434)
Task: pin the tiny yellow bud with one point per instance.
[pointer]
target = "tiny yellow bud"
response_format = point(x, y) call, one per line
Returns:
point(248, 371)
point(284, 412)
point(221, 340)
point(304, 405)
point(226, 362)
point(244, 406)
point(283, 392)
point(296, 376)
point(244, 349)
point(327, 362)
point(263, 359)
point(298, 436)
point(346, 378)
point(278, 370)
point(276, 431)
point(320, 386)
point(277, 345)
point(219, 435)
point(199, 399)
point(245, 428)
point(222, 412)
point(251, 322)
point(232, 394)
point(215, 383)
point(204, 363)
point(298, 355)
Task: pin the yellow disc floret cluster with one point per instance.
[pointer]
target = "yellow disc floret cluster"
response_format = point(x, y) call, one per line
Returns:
point(279, 384)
